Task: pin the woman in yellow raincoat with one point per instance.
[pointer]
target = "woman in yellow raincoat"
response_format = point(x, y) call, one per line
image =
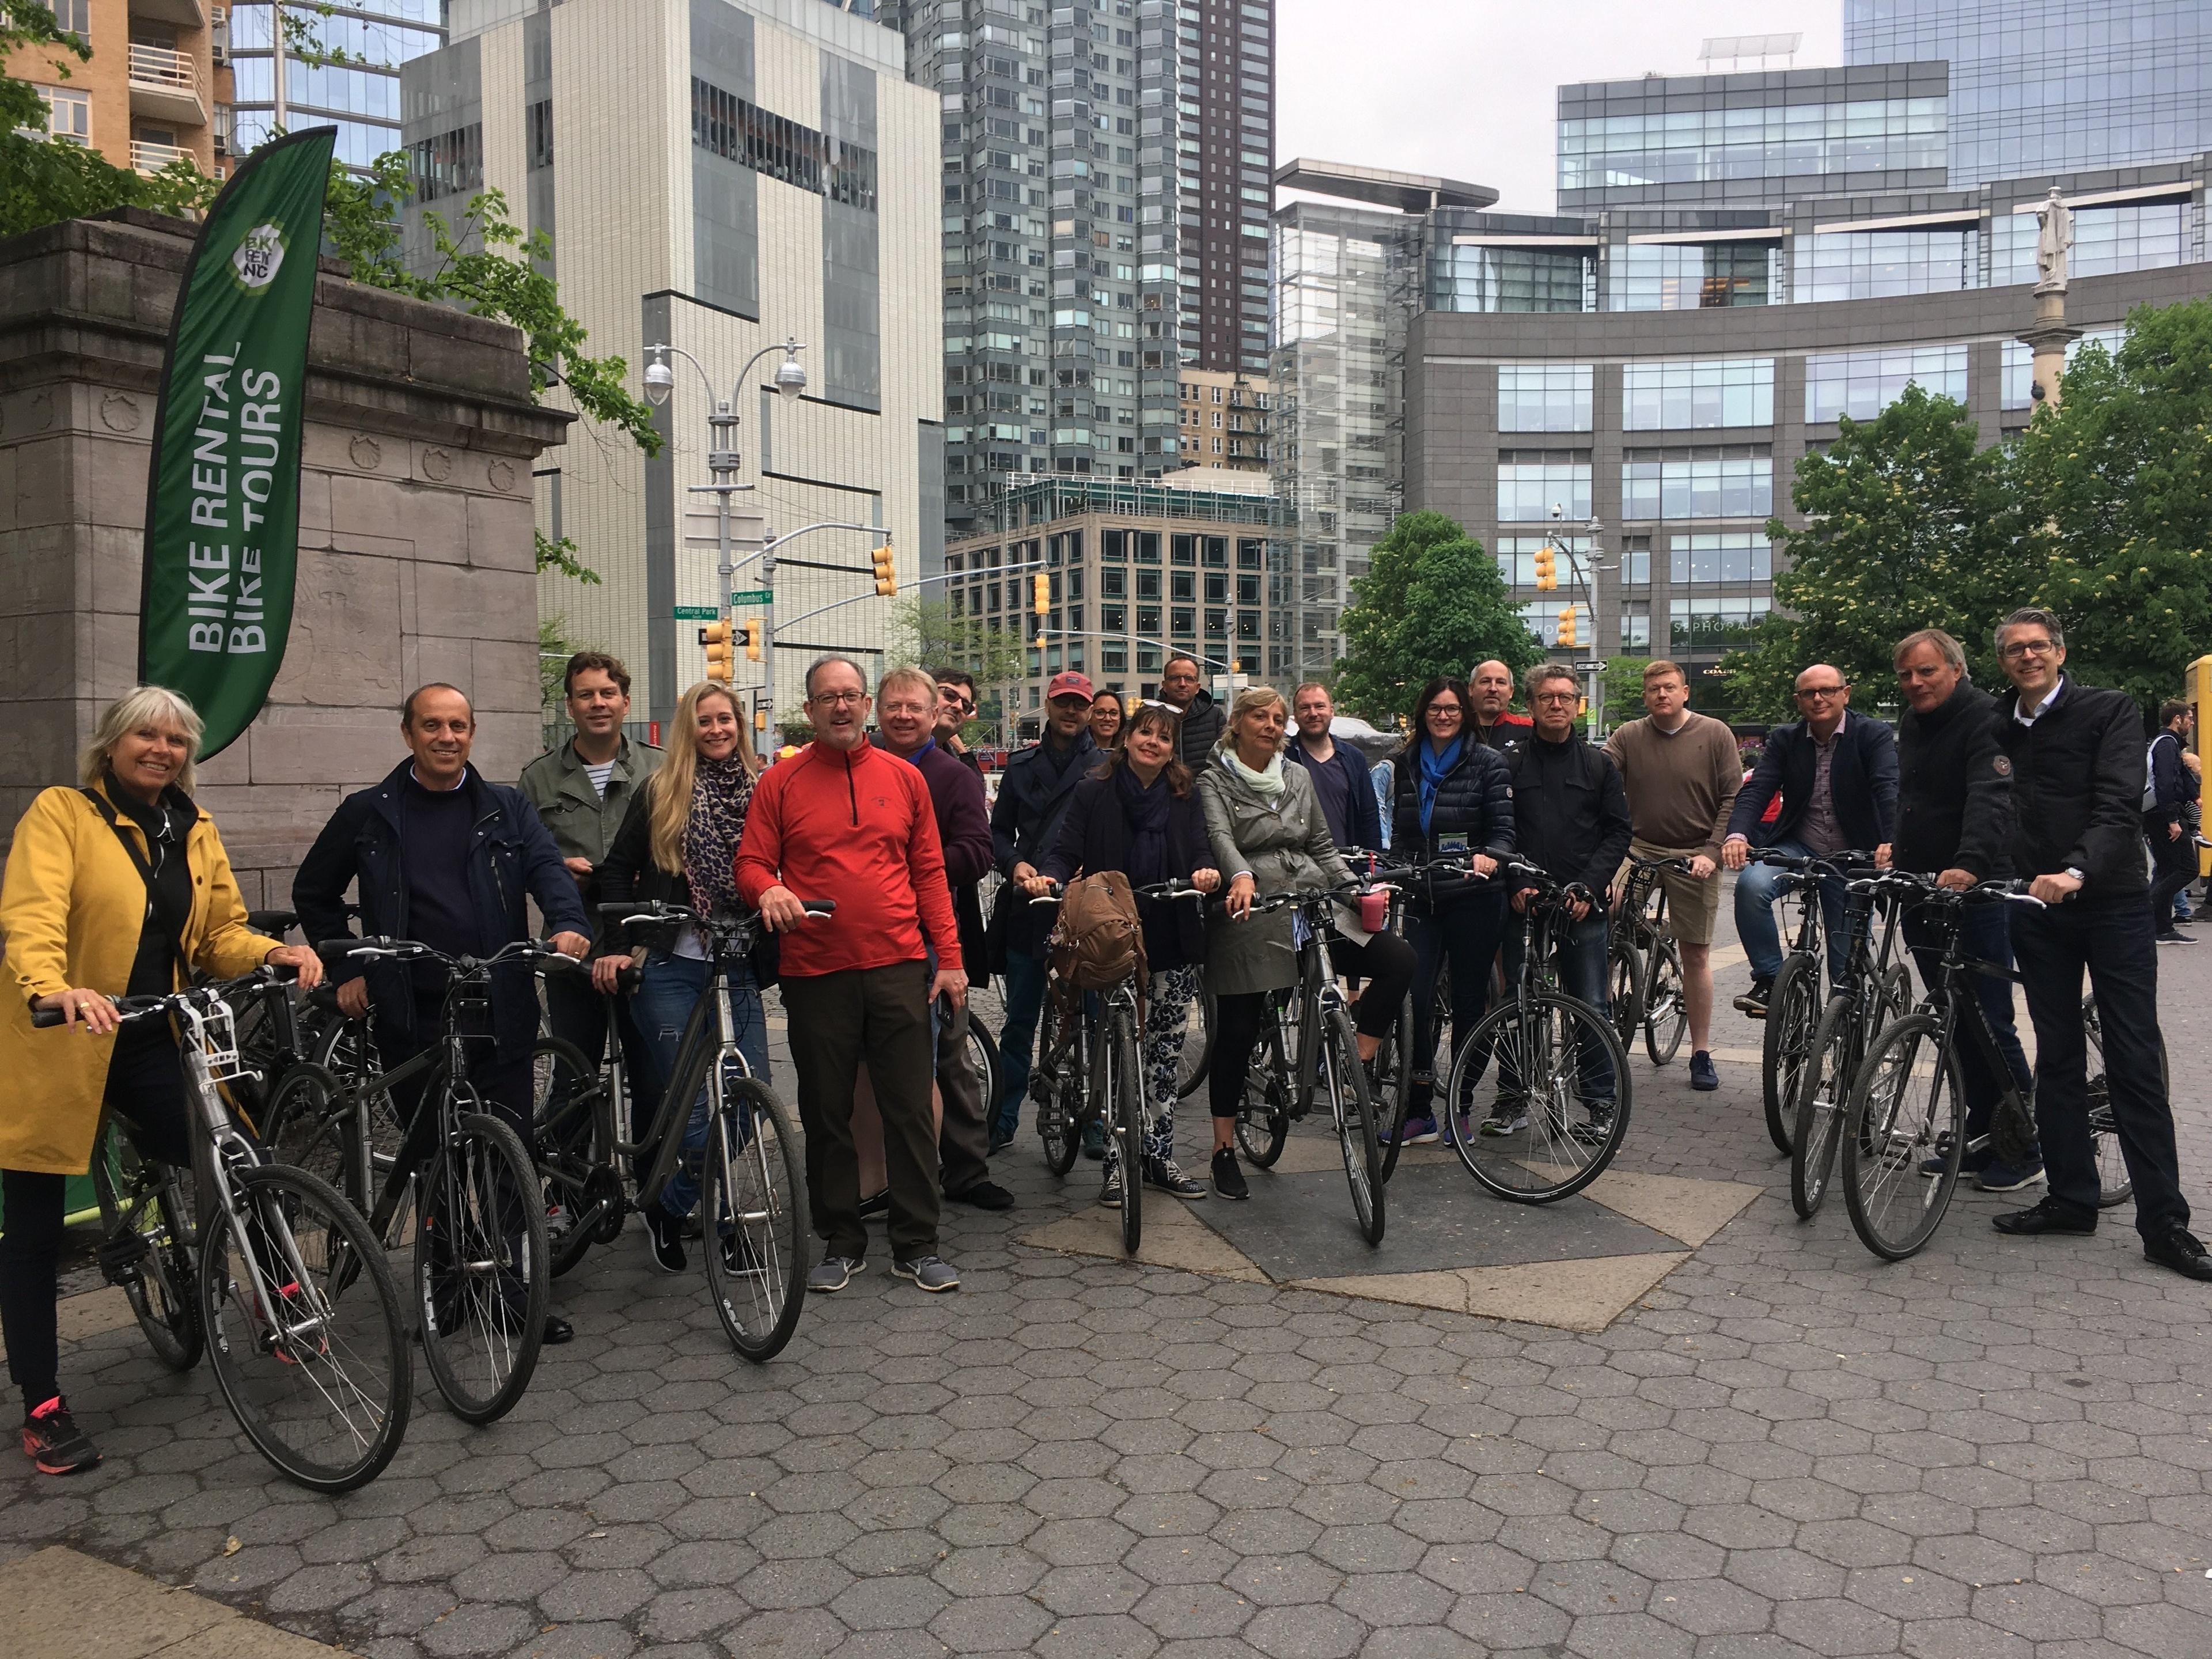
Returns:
point(108, 886)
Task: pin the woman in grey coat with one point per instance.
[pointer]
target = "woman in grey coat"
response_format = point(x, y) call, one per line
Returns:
point(1270, 837)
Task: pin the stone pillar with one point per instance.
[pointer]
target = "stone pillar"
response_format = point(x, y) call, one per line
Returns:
point(2049, 339)
point(417, 554)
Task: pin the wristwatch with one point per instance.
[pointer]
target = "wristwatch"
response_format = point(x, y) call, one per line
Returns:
point(2076, 874)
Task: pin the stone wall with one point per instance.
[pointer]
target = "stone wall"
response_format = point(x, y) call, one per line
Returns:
point(415, 530)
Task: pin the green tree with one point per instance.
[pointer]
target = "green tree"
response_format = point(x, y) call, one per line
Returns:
point(1905, 529)
point(2113, 490)
point(924, 631)
point(1432, 602)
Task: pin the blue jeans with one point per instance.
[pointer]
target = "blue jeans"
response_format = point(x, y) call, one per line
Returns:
point(1582, 948)
point(1757, 887)
point(1024, 1002)
point(1985, 936)
point(668, 990)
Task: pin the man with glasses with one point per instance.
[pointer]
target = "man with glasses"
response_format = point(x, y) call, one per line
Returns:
point(1838, 776)
point(847, 822)
point(956, 706)
point(1202, 719)
point(2076, 756)
point(1033, 798)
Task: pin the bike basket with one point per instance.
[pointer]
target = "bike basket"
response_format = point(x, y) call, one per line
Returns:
point(1099, 941)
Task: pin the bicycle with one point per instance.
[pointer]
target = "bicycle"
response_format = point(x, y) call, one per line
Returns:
point(1875, 989)
point(1657, 1002)
point(1553, 1113)
point(1106, 1026)
point(752, 1180)
point(480, 1257)
point(1307, 1045)
point(1794, 1003)
point(1907, 1107)
point(284, 1270)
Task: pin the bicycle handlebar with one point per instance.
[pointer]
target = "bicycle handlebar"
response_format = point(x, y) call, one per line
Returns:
point(656, 911)
point(130, 1008)
point(382, 948)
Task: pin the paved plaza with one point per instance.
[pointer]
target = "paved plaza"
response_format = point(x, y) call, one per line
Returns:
point(1667, 1419)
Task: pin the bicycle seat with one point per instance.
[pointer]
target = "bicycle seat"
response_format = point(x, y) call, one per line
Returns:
point(271, 924)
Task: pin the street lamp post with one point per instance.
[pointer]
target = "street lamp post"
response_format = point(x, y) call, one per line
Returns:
point(1586, 569)
point(722, 464)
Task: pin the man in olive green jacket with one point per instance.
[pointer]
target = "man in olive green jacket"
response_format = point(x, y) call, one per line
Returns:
point(583, 790)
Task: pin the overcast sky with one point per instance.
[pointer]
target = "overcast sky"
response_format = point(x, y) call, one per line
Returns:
point(1466, 88)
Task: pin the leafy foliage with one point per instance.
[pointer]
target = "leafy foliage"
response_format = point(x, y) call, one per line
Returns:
point(1906, 529)
point(924, 631)
point(1432, 602)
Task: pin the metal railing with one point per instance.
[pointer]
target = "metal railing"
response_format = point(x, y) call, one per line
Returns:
point(146, 156)
point(158, 66)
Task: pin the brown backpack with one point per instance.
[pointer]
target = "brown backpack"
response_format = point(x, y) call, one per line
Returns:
point(1099, 942)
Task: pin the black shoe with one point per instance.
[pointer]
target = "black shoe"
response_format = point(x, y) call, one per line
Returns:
point(1753, 1002)
point(1228, 1179)
point(984, 1195)
point(2178, 1249)
point(663, 1240)
point(2172, 936)
point(52, 1440)
point(1161, 1172)
point(1703, 1076)
point(558, 1331)
point(2045, 1217)
point(1094, 1139)
point(999, 1143)
point(880, 1204)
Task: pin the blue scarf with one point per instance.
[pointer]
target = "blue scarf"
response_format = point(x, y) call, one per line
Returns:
point(1434, 766)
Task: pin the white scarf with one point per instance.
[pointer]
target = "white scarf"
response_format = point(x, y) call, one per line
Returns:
point(1268, 784)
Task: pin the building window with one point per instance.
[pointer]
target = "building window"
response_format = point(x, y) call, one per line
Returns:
point(1721, 146)
point(69, 114)
point(739, 131)
point(538, 134)
point(1736, 556)
point(1861, 384)
point(1706, 627)
point(1676, 397)
point(1531, 483)
point(1873, 264)
point(73, 17)
point(1113, 546)
point(1677, 278)
point(1636, 628)
point(1543, 397)
point(1512, 279)
point(1735, 482)
point(2145, 236)
point(450, 164)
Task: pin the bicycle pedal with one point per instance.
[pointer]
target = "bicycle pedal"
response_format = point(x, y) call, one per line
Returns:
point(119, 1255)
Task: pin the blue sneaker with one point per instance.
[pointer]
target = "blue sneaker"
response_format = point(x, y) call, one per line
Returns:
point(1703, 1076)
point(1094, 1139)
point(1970, 1163)
point(1418, 1132)
point(2010, 1177)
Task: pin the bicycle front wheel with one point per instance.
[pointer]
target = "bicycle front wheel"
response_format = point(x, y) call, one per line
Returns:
point(304, 1334)
point(1907, 1112)
point(1056, 1085)
point(149, 1200)
point(1122, 1095)
point(1263, 1112)
point(1624, 985)
point(2114, 1185)
point(578, 1199)
point(1343, 1081)
point(1665, 1009)
point(753, 1191)
point(1393, 1094)
point(1563, 1097)
point(310, 1125)
point(1793, 1018)
point(1197, 1047)
point(983, 1056)
point(481, 1269)
point(1824, 1092)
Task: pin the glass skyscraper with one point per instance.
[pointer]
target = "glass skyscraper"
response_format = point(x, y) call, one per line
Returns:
point(2048, 86)
point(360, 95)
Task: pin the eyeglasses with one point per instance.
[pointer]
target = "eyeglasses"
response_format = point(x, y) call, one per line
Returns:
point(956, 700)
point(1559, 697)
point(2019, 648)
point(838, 699)
point(1821, 691)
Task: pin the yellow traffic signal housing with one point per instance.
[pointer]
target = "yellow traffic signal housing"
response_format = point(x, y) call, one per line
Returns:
point(752, 639)
point(715, 636)
point(760, 719)
point(1041, 593)
point(1548, 570)
point(886, 570)
point(1567, 633)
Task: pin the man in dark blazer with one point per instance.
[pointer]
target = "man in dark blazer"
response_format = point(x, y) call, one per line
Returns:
point(1838, 775)
point(2076, 755)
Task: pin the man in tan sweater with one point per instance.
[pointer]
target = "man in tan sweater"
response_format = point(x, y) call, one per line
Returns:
point(1682, 770)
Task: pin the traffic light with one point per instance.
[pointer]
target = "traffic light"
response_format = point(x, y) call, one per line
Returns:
point(1041, 593)
point(1547, 569)
point(886, 570)
point(752, 627)
point(715, 636)
point(1567, 633)
point(760, 719)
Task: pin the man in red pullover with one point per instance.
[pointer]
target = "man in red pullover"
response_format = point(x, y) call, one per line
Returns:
point(843, 821)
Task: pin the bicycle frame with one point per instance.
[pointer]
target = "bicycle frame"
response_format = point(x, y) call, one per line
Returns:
point(1943, 1000)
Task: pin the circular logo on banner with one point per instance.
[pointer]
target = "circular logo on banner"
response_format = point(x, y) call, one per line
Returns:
point(258, 257)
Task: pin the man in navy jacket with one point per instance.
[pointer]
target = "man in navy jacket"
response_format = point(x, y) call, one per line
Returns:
point(1340, 772)
point(1838, 775)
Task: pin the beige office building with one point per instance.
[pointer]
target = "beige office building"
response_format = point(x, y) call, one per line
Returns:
point(150, 93)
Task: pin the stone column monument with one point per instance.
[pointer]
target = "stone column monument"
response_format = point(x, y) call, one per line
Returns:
point(2051, 334)
point(416, 555)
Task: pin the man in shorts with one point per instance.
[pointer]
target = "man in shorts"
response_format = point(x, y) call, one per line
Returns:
point(1682, 770)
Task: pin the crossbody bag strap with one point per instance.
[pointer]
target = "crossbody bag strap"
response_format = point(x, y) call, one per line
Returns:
point(101, 806)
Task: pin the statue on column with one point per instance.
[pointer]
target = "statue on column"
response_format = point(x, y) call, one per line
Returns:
point(2054, 241)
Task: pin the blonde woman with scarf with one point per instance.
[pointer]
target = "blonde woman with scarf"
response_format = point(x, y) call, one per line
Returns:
point(679, 845)
point(1270, 835)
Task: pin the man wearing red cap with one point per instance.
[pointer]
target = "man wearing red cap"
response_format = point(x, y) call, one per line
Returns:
point(1033, 798)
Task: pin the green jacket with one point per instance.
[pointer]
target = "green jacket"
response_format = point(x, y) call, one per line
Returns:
point(584, 826)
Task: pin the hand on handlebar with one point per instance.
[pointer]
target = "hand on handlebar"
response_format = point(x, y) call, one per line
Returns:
point(304, 962)
point(2055, 889)
point(570, 945)
point(949, 983)
point(353, 999)
point(1955, 881)
point(1736, 852)
point(1701, 867)
point(1206, 881)
point(93, 1008)
point(1242, 890)
point(606, 973)
point(1038, 886)
point(1484, 866)
point(780, 909)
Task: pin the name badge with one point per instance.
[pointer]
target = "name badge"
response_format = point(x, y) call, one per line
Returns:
point(1452, 845)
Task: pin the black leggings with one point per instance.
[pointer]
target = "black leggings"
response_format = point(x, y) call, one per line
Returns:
point(1385, 962)
point(146, 1088)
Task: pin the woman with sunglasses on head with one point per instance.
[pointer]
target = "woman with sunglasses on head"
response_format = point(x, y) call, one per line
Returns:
point(1453, 800)
point(679, 845)
point(1140, 814)
point(1271, 835)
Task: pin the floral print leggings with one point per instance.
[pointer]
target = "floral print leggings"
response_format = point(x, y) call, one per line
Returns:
point(1167, 1010)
